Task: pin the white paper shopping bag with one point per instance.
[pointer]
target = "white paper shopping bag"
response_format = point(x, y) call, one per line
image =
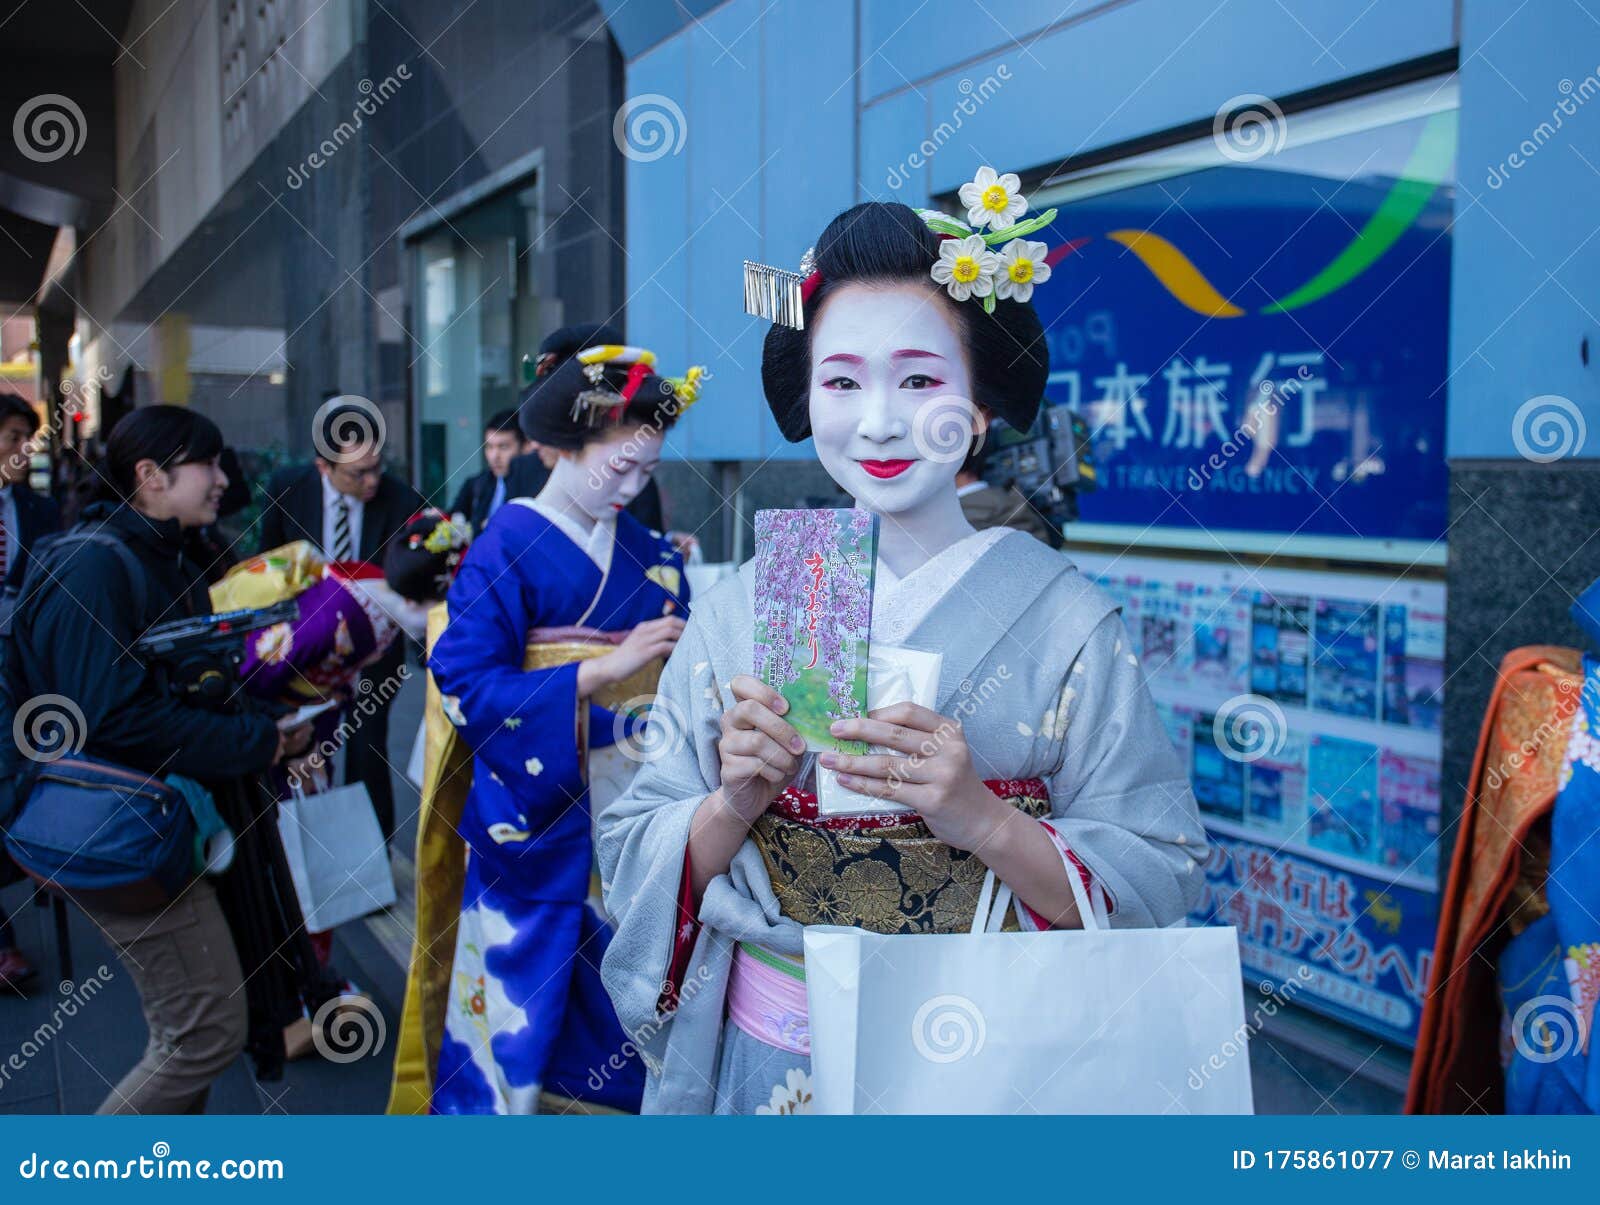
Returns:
point(337, 855)
point(1096, 1020)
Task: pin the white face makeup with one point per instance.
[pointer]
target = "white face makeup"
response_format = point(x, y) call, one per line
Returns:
point(890, 405)
point(603, 477)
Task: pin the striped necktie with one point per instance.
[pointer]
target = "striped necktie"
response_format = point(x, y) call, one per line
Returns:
point(341, 530)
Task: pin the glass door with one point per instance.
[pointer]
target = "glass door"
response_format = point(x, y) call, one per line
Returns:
point(478, 318)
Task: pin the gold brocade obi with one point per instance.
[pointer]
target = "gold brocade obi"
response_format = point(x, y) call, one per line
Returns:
point(549, 647)
point(886, 873)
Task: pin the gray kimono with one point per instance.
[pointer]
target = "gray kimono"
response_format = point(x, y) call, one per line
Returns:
point(1039, 669)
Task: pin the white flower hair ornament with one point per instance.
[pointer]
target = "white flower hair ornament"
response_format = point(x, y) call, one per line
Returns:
point(969, 264)
point(993, 200)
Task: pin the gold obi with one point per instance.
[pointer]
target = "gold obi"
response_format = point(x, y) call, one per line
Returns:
point(548, 648)
point(898, 878)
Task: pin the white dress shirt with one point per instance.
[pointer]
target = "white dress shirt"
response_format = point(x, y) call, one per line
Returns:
point(354, 508)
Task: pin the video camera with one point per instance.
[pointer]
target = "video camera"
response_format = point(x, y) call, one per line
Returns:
point(197, 659)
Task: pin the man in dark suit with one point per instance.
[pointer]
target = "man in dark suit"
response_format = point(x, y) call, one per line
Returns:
point(24, 517)
point(347, 506)
point(486, 493)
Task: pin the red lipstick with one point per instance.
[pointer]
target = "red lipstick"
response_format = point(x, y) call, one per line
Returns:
point(886, 468)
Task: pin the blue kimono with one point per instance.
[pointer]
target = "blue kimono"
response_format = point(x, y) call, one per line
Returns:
point(527, 1012)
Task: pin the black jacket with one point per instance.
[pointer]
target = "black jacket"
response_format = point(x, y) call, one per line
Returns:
point(293, 511)
point(474, 498)
point(73, 633)
point(527, 475)
point(37, 515)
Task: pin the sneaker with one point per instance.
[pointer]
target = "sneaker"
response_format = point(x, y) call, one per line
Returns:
point(15, 970)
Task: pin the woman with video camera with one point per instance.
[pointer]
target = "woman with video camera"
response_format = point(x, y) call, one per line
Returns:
point(72, 639)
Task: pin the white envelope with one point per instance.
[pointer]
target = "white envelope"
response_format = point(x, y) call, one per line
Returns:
point(895, 674)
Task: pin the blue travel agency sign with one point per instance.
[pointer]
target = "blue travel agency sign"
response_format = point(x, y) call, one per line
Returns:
point(1262, 349)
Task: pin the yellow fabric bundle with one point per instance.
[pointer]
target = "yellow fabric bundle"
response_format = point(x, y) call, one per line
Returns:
point(268, 577)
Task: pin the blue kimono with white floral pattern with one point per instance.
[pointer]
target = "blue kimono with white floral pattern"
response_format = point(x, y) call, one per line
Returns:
point(527, 1011)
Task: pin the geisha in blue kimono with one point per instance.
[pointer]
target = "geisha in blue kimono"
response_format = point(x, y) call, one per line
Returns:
point(559, 621)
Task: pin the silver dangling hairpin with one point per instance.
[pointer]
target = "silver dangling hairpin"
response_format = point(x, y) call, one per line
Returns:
point(774, 294)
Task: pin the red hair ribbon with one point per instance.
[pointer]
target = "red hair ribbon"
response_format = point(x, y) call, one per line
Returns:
point(809, 286)
point(636, 377)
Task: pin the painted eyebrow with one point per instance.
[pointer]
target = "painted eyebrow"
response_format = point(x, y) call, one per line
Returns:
point(913, 353)
point(846, 357)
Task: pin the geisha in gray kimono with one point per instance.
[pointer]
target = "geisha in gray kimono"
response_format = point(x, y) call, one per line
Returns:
point(1042, 757)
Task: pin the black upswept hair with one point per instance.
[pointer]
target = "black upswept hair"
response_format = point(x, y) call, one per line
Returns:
point(885, 242)
point(168, 435)
point(546, 412)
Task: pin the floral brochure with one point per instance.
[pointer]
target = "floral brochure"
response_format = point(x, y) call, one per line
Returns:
point(813, 615)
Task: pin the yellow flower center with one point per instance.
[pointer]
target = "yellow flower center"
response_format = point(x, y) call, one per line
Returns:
point(996, 198)
point(1021, 271)
point(965, 269)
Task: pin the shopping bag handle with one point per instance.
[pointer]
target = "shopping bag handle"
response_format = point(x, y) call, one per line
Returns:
point(991, 911)
point(992, 904)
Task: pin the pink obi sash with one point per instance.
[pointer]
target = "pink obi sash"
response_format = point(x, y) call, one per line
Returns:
point(767, 998)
